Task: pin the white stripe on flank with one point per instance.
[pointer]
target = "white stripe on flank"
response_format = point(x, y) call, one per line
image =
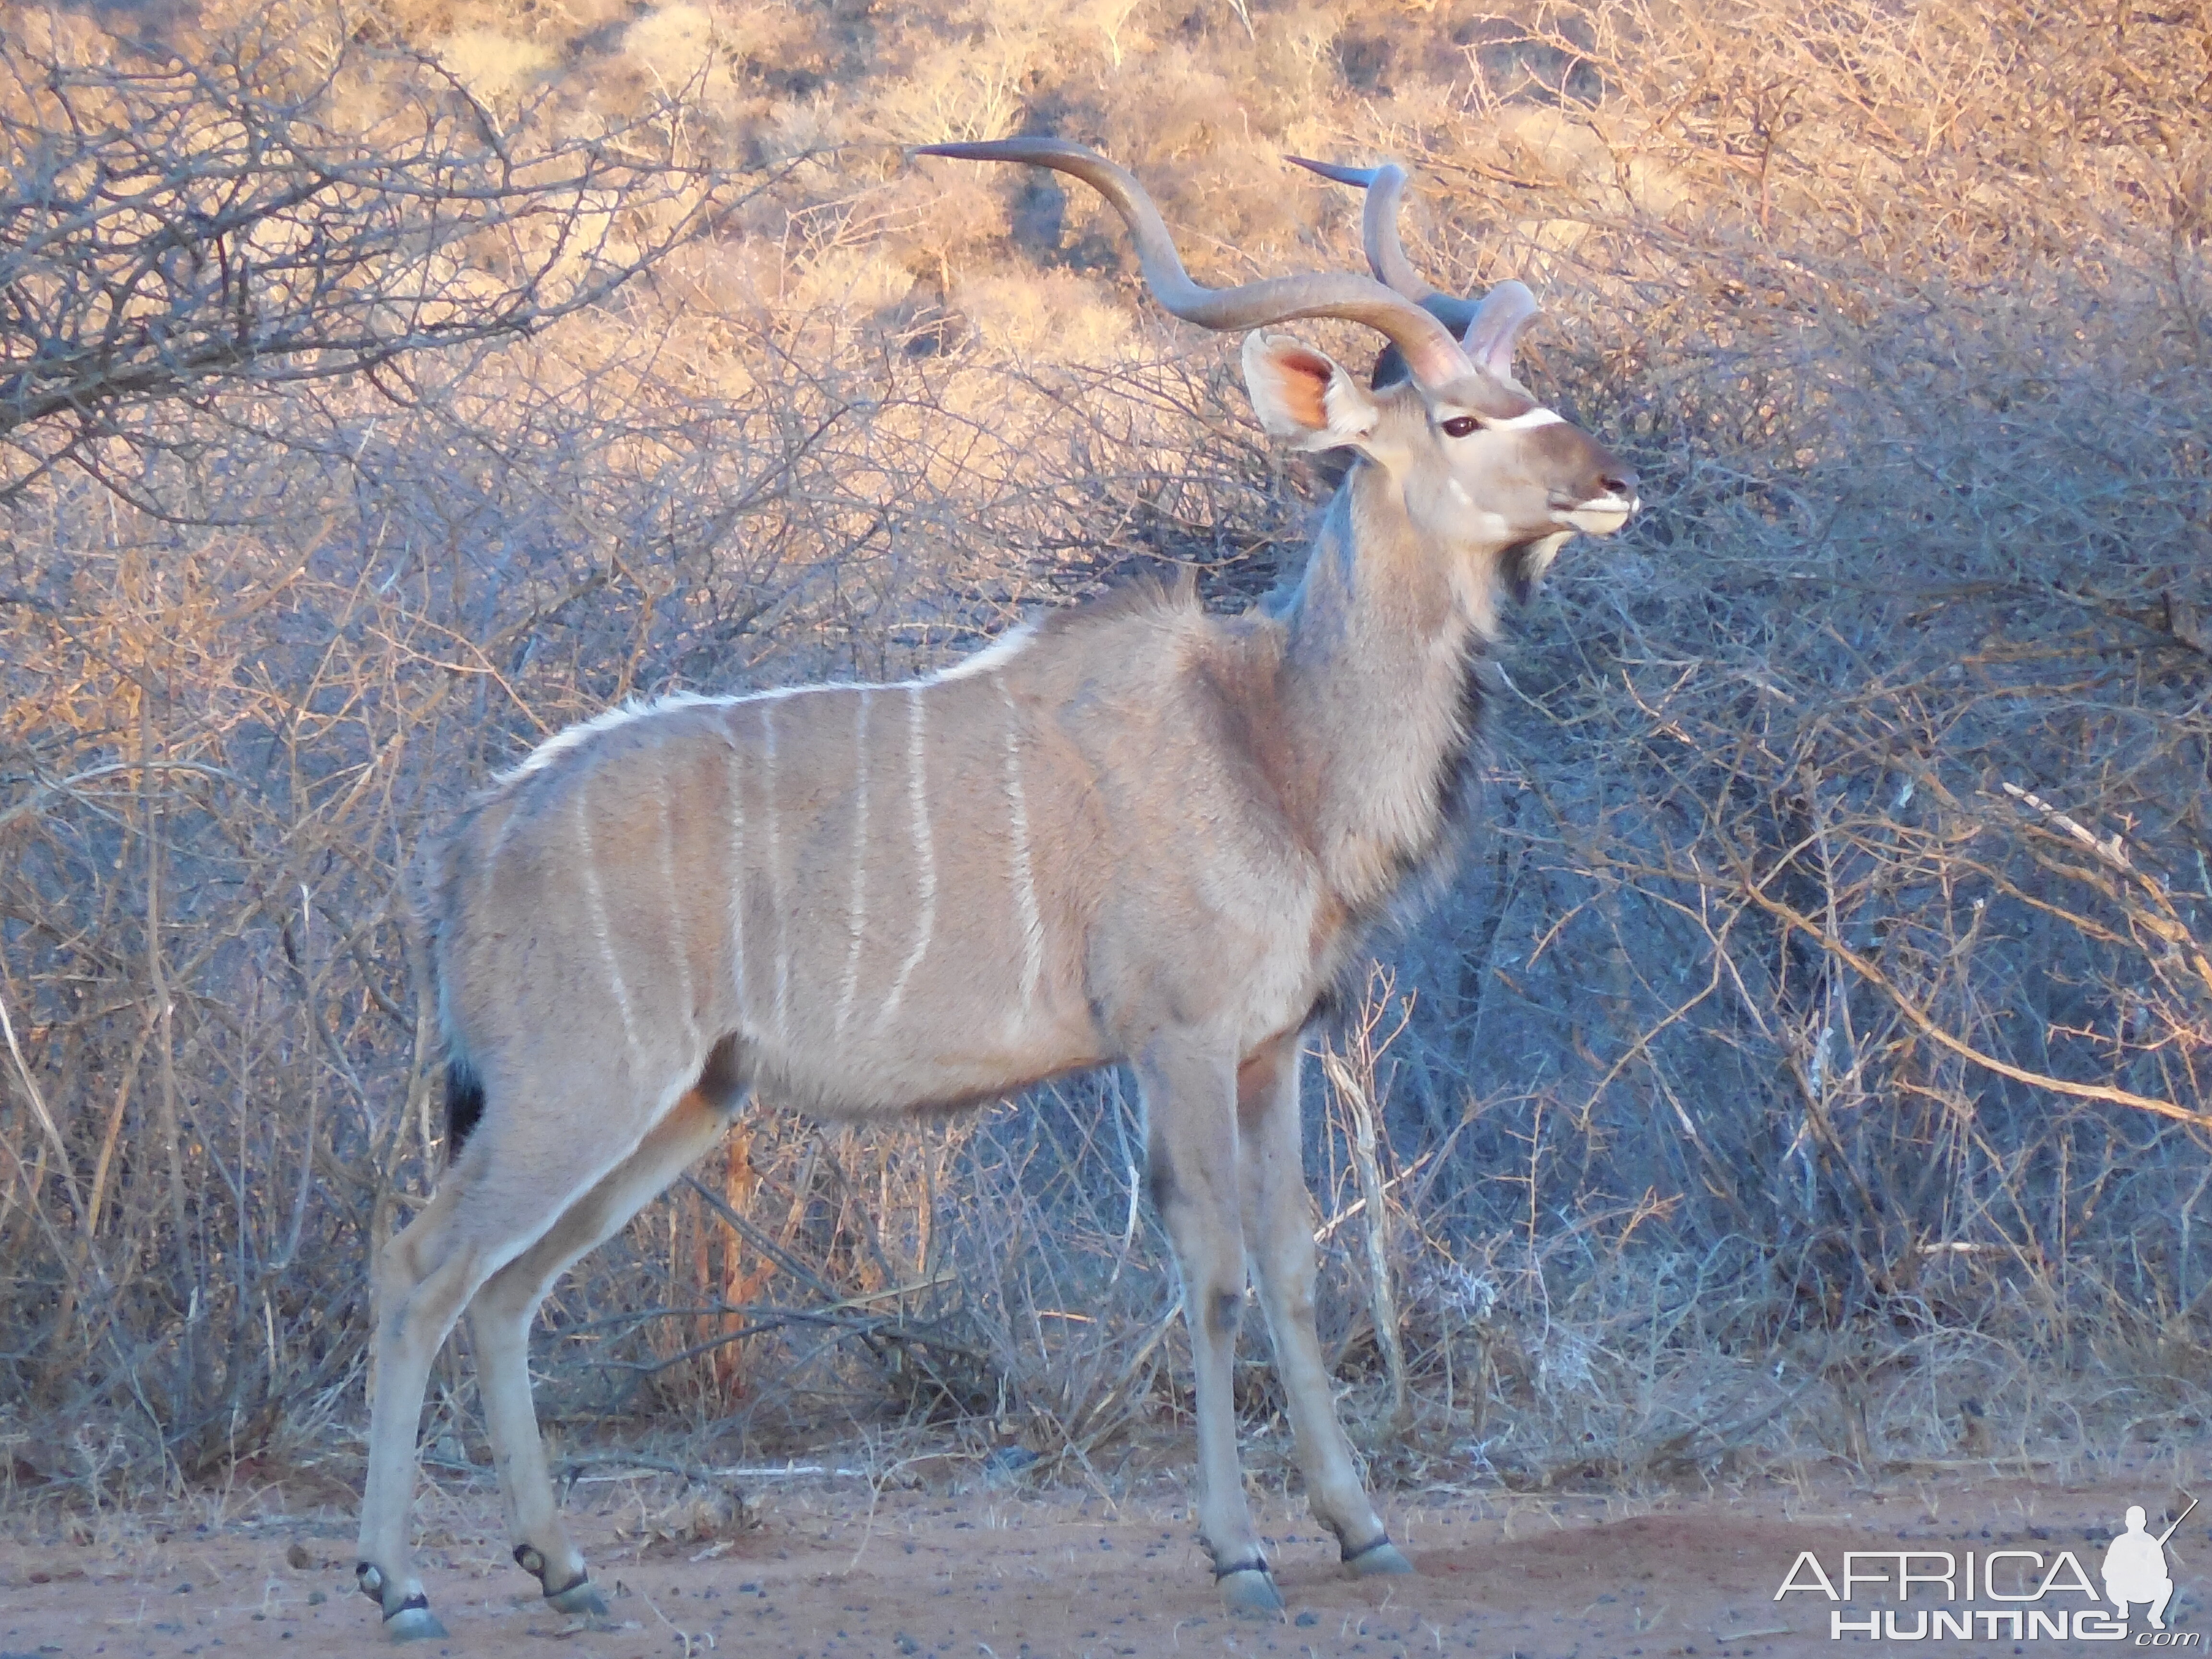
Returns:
point(776, 875)
point(857, 911)
point(738, 887)
point(1527, 418)
point(924, 852)
point(1025, 899)
point(596, 903)
point(679, 944)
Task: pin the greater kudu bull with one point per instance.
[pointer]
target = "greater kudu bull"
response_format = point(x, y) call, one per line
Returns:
point(1132, 833)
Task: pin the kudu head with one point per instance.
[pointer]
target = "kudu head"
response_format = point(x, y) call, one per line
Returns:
point(1484, 470)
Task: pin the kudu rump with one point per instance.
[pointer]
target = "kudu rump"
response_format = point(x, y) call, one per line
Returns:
point(1131, 833)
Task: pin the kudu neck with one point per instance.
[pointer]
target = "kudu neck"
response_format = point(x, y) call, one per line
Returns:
point(1381, 690)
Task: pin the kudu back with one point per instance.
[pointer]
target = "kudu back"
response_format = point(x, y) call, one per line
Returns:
point(1132, 833)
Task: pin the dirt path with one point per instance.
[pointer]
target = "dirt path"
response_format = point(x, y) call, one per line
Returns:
point(1009, 1574)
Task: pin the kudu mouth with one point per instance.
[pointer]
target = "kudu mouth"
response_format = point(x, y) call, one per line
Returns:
point(1605, 500)
point(1603, 513)
point(1600, 516)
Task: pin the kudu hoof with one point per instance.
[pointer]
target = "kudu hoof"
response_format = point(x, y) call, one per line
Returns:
point(581, 1599)
point(1250, 1593)
point(1378, 1559)
point(415, 1622)
point(411, 1621)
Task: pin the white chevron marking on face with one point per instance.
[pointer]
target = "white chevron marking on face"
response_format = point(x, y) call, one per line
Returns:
point(1527, 419)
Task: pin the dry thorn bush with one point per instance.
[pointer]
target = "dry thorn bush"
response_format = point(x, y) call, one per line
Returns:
point(1810, 1062)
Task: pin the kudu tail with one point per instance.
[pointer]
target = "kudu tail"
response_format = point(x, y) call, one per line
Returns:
point(439, 878)
point(464, 1101)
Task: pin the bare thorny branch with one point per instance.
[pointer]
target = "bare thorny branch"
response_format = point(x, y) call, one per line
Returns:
point(176, 228)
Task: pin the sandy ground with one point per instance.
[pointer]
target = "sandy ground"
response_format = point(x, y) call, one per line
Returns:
point(837, 1567)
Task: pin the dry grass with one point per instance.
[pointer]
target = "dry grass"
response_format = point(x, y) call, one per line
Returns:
point(1809, 1064)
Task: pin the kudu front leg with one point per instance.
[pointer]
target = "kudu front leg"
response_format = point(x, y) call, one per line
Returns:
point(1278, 1233)
point(1191, 1150)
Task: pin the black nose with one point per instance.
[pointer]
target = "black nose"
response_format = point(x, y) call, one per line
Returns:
point(1619, 481)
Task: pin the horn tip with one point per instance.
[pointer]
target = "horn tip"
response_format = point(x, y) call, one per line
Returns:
point(1034, 147)
point(1360, 177)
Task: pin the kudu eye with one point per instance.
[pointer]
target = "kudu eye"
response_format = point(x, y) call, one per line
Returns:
point(1461, 425)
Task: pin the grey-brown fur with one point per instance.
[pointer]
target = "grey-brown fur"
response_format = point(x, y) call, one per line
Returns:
point(1137, 834)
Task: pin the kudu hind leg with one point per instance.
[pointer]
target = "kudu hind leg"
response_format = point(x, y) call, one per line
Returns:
point(1191, 1144)
point(423, 1278)
point(492, 1207)
point(500, 1320)
point(1278, 1233)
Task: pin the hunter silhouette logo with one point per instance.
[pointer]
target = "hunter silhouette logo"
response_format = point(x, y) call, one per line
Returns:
point(2134, 1566)
point(2012, 1593)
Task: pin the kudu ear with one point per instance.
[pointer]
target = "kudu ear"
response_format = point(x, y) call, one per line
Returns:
point(1301, 394)
point(1497, 327)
